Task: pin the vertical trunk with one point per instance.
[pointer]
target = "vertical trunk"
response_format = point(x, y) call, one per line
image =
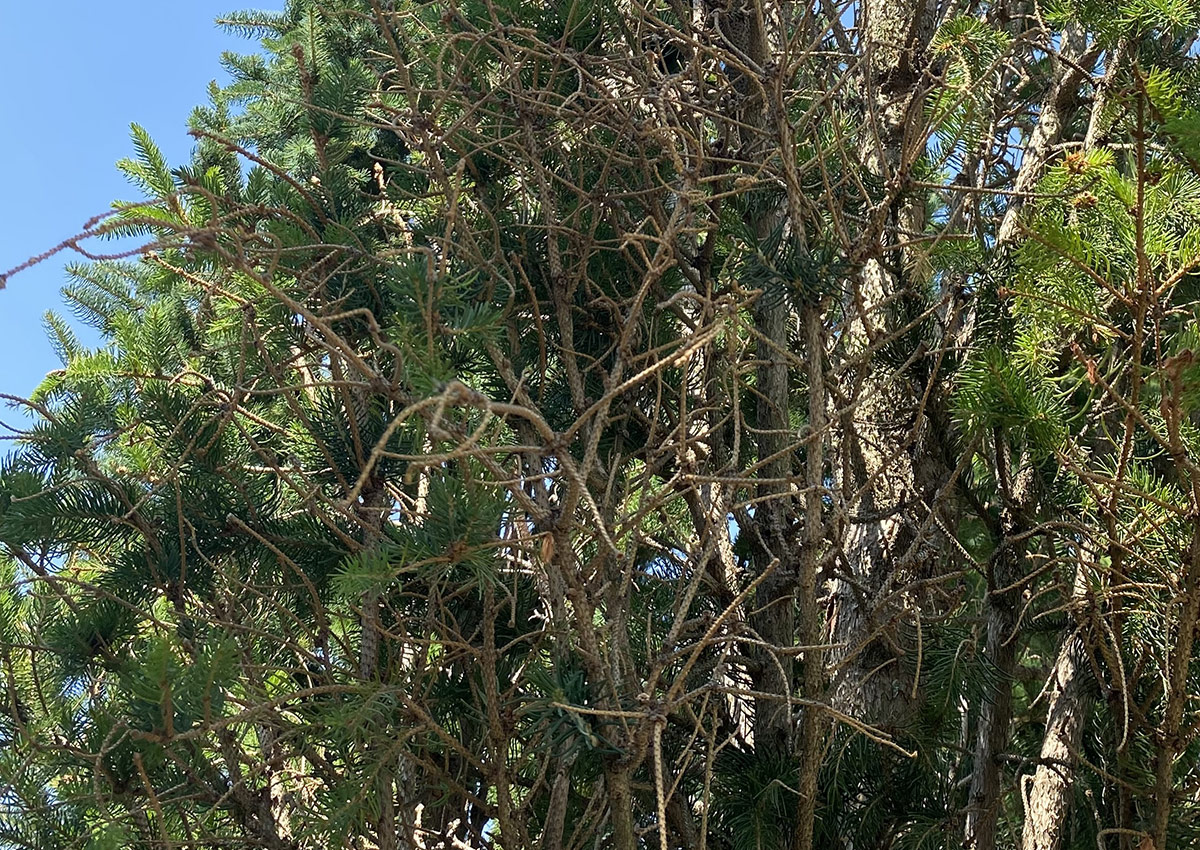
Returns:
point(556, 808)
point(994, 717)
point(812, 724)
point(772, 616)
point(879, 473)
point(1000, 606)
point(1048, 794)
point(1008, 569)
point(620, 806)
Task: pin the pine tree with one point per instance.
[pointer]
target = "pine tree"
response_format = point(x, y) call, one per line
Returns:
point(674, 425)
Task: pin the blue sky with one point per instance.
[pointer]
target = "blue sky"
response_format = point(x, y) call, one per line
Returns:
point(75, 75)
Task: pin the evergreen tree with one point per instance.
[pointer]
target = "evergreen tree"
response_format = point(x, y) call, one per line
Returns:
point(630, 425)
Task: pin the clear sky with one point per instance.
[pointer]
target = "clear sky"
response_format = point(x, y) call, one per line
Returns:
point(75, 74)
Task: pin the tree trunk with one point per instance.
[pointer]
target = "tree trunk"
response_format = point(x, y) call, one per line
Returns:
point(994, 717)
point(1049, 129)
point(879, 473)
point(811, 732)
point(1048, 794)
point(771, 528)
point(1000, 606)
point(1008, 570)
point(773, 617)
point(620, 807)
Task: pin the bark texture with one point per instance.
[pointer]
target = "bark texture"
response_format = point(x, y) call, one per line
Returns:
point(1047, 793)
point(886, 464)
point(1005, 580)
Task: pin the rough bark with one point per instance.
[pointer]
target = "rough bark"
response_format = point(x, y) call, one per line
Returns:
point(1001, 612)
point(811, 732)
point(994, 717)
point(620, 806)
point(1009, 570)
point(773, 617)
point(1047, 794)
point(1048, 131)
point(880, 473)
point(771, 530)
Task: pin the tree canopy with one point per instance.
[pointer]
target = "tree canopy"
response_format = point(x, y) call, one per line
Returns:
point(658, 424)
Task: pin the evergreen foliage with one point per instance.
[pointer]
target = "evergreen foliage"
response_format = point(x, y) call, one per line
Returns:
point(662, 425)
